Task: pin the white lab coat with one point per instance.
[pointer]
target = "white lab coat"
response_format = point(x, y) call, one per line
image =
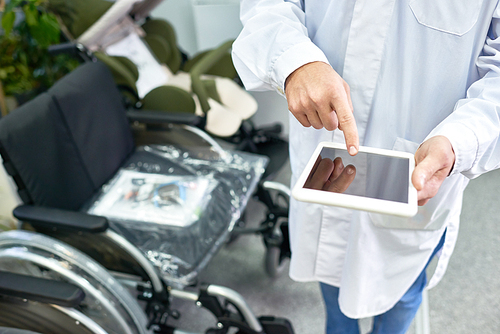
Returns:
point(416, 69)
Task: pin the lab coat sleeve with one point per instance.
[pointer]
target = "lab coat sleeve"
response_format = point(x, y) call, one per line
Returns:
point(272, 44)
point(474, 126)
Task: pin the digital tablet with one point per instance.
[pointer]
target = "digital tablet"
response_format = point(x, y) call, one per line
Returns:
point(375, 180)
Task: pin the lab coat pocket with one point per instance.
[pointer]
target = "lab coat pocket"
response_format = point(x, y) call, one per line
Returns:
point(454, 17)
point(431, 216)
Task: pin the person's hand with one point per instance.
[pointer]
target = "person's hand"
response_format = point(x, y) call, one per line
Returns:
point(330, 175)
point(434, 160)
point(317, 96)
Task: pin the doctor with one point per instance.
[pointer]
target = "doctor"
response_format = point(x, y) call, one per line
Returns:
point(421, 76)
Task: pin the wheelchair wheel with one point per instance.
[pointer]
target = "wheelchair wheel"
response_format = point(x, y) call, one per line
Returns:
point(45, 318)
point(277, 253)
point(274, 264)
point(106, 301)
point(276, 238)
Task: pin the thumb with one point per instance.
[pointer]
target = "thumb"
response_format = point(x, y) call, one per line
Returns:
point(424, 170)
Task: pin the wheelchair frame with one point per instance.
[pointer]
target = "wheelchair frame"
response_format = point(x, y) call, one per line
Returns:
point(243, 319)
point(156, 294)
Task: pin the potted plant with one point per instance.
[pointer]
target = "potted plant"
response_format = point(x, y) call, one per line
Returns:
point(26, 67)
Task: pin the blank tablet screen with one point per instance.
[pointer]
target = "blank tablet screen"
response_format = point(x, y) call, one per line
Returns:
point(376, 176)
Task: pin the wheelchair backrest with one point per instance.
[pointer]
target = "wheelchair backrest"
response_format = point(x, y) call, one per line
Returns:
point(63, 145)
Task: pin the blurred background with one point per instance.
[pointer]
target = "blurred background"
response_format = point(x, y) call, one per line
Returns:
point(466, 301)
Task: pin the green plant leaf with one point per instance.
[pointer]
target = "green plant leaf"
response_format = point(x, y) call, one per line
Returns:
point(8, 19)
point(12, 4)
point(24, 70)
point(25, 64)
point(31, 14)
point(47, 31)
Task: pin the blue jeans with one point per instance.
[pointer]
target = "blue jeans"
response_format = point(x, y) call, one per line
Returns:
point(395, 321)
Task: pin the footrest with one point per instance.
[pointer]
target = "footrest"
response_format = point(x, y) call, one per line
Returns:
point(273, 325)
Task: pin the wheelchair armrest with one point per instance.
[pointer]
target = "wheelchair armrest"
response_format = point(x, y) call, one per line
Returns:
point(76, 50)
point(63, 48)
point(40, 289)
point(161, 117)
point(57, 218)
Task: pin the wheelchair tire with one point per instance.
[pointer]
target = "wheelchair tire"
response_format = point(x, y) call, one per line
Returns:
point(107, 302)
point(43, 318)
point(275, 261)
point(278, 251)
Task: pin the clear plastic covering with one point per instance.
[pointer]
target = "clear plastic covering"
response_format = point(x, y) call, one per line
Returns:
point(137, 197)
point(181, 205)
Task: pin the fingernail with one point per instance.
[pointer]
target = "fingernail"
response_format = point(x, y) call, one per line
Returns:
point(350, 170)
point(353, 150)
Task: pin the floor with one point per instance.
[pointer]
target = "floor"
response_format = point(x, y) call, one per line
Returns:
point(466, 301)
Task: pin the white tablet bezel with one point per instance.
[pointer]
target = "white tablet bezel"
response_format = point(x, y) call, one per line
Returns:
point(408, 209)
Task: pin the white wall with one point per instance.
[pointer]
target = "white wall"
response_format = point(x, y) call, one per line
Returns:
point(216, 21)
point(180, 14)
point(201, 24)
point(204, 24)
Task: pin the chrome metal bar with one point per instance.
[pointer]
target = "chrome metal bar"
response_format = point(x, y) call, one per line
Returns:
point(180, 331)
point(277, 186)
point(239, 302)
point(206, 137)
point(185, 295)
point(23, 254)
point(139, 257)
point(81, 319)
point(20, 239)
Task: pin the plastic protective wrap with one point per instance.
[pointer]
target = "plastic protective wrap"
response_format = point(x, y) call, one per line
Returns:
point(183, 204)
point(138, 197)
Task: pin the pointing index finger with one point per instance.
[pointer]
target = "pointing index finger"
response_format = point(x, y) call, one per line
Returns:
point(347, 124)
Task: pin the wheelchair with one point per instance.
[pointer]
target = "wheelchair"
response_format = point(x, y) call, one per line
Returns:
point(68, 151)
point(147, 64)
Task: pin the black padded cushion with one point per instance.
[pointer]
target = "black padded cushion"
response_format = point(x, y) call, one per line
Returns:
point(66, 143)
point(40, 289)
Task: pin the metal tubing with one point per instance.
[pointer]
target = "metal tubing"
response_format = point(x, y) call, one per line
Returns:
point(139, 257)
point(238, 301)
